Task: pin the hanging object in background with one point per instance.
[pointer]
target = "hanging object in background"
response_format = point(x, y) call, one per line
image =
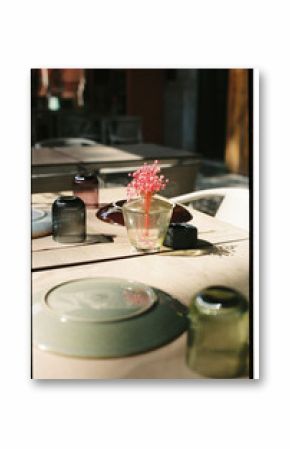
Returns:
point(62, 87)
point(218, 333)
point(86, 187)
point(68, 220)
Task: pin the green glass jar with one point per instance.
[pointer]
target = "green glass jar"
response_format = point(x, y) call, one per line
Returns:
point(217, 344)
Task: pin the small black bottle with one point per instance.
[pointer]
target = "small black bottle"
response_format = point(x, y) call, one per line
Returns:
point(86, 187)
point(68, 220)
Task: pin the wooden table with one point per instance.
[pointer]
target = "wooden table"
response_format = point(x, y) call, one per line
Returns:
point(181, 274)
point(102, 154)
point(53, 168)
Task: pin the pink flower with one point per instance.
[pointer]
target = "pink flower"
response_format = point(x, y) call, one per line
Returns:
point(146, 180)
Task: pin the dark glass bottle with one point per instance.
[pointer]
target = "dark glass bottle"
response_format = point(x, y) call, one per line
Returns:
point(69, 220)
point(217, 344)
point(86, 187)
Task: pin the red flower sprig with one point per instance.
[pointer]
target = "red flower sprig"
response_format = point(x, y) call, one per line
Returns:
point(146, 181)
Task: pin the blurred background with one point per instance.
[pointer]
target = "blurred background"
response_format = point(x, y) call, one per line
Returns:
point(206, 112)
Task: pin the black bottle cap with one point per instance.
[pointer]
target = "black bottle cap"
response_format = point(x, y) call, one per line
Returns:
point(181, 236)
point(85, 176)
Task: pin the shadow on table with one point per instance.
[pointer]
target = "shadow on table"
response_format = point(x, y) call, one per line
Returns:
point(204, 248)
point(92, 239)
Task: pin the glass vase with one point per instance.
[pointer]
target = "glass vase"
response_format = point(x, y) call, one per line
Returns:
point(147, 224)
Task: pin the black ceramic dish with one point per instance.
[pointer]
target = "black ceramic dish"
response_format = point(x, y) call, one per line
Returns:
point(112, 213)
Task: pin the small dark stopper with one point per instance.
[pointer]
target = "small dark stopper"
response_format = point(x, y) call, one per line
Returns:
point(181, 236)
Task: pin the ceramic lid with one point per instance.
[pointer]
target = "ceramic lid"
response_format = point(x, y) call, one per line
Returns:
point(41, 223)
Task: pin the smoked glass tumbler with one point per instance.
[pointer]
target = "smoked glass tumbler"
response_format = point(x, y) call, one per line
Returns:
point(68, 220)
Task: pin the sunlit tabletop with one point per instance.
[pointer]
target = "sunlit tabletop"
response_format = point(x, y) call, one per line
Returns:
point(179, 273)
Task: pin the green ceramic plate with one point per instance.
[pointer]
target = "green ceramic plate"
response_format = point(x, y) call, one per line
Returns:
point(105, 317)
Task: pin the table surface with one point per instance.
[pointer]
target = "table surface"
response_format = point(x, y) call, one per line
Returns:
point(104, 154)
point(180, 273)
point(48, 253)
